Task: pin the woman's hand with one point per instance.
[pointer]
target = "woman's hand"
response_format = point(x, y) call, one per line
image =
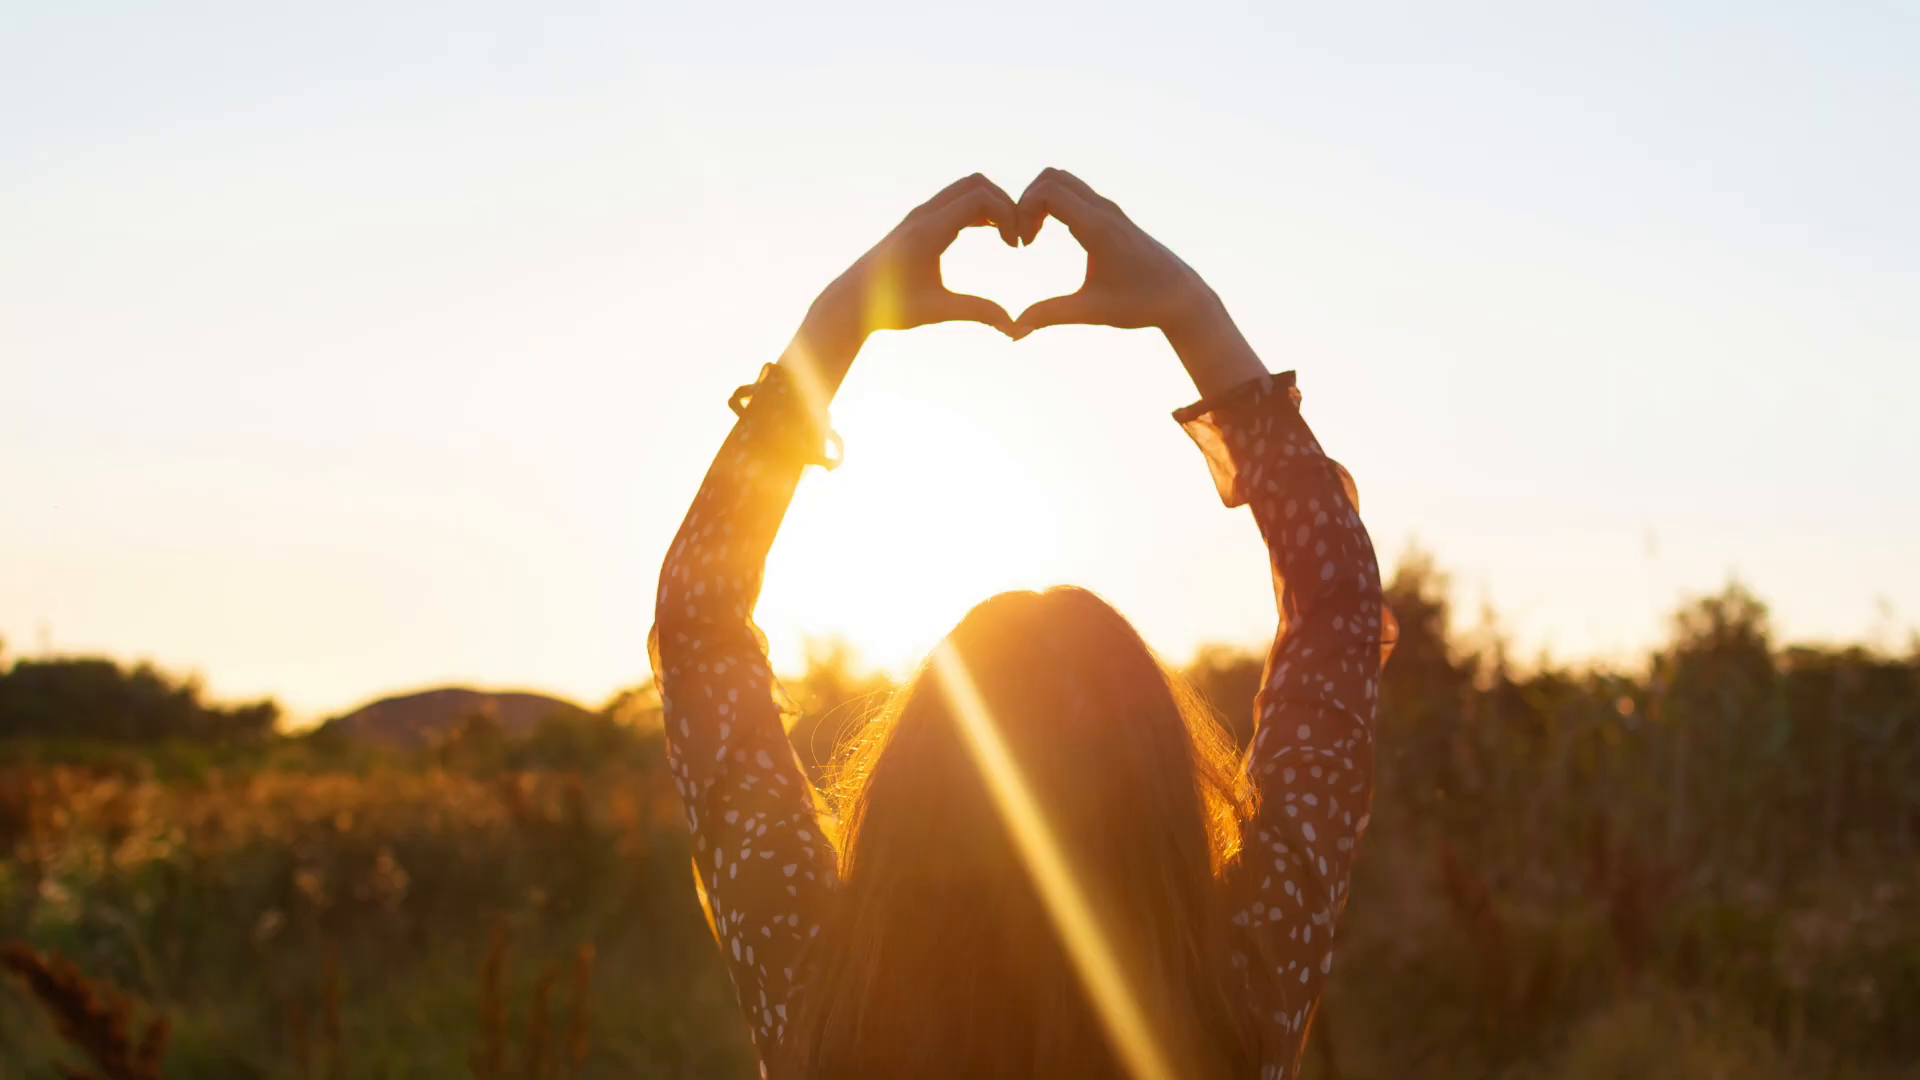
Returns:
point(897, 285)
point(1133, 281)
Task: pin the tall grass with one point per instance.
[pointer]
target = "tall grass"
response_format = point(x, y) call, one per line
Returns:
point(336, 924)
point(1700, 866)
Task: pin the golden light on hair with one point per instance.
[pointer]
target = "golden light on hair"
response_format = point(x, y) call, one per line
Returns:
point(1087, 944)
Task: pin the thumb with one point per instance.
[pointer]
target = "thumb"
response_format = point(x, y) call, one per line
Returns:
point(1056, 311)
point(963, 307)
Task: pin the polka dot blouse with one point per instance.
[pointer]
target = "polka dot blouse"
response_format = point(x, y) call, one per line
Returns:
point(762, 860)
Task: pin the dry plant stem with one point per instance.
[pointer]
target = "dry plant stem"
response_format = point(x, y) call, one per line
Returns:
point(576, 1048)
point(297, 1039)
point(330, 1012)
point(489, 1057)
point(92, 1017)
point(535, 1048)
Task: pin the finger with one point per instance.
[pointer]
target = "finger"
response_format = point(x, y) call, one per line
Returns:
point(1079, 187)
point(952, 191)
point(962, 307)
point(1058, 311)
point(984, 204)
point(1049, 197)
point(1005, 213)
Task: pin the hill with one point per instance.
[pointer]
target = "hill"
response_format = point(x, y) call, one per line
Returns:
point(414, 720)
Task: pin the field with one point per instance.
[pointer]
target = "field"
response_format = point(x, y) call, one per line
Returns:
point(1705, 867)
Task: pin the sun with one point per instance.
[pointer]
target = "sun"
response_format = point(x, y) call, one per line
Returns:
point(928, 516)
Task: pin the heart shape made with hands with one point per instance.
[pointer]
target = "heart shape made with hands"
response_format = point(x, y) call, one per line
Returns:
point(980, 263)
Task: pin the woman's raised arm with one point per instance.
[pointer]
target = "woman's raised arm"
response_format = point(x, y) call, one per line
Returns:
point(1311, 763)
point(759, 852)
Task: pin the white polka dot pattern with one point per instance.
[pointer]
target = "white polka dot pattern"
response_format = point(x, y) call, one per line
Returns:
point(1312, 756)
point(763, 863)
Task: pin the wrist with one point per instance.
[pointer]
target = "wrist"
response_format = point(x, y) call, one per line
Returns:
point(1195, 315)
point(829, 338)
point(1211, 348)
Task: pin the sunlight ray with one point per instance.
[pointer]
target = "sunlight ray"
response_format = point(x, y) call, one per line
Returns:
point(805, 368)
point(1087, 945)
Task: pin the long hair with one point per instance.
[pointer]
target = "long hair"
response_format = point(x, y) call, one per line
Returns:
point(940, 957)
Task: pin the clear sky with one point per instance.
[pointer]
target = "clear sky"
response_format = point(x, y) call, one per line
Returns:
point(377, 345)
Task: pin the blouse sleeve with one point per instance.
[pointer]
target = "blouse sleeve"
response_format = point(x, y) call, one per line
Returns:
point(759, 854)
point(1311, 762)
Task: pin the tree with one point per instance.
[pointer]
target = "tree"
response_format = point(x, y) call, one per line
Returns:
point(94, 698)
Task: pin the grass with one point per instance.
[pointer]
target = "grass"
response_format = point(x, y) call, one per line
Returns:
point(1704, 868)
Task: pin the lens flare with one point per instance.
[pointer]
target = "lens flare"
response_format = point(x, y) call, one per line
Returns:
point(884, 303)
point(1087, 945)
point(805, 369)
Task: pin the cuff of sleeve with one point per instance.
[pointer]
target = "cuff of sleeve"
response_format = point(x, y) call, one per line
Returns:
point(776, 412)
point(1253, 426)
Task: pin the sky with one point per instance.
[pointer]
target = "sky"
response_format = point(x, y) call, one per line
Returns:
point(353, 348)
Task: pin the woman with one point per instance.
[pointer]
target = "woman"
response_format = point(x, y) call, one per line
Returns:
point(1045, 859)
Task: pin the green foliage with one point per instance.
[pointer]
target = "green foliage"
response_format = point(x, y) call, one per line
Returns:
point(233, 903)
point(586, 744)
point(1736, 823)
point(91, 698)
point(1705, 866)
